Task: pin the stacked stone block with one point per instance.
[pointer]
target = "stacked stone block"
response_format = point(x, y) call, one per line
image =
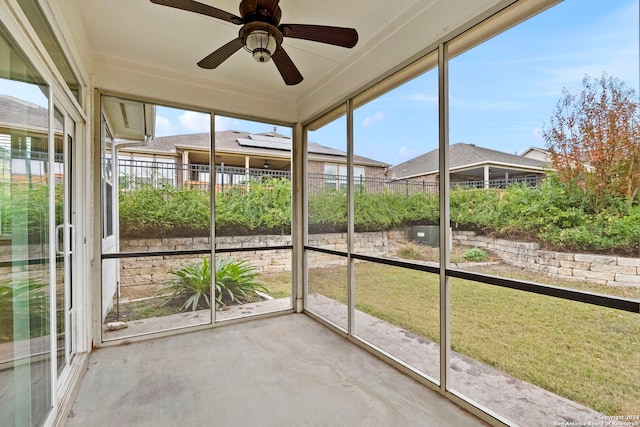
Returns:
point(598, 269)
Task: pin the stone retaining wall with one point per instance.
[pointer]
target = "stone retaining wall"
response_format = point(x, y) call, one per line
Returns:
point(142, 276)
point(599, 269)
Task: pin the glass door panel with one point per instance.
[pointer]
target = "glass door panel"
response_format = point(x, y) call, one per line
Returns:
point(64, 128)
point(25, 340)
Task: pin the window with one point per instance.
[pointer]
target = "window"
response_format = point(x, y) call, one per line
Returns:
point(336, 175)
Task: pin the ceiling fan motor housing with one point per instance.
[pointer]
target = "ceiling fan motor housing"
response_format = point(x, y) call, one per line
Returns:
point(261, 10)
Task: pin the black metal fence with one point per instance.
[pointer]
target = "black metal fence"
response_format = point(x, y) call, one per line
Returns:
point(133, 173)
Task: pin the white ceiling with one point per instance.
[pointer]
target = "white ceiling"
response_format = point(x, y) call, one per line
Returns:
point(152, 40)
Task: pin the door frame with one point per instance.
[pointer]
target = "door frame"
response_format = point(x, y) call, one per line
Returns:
point(76, 212)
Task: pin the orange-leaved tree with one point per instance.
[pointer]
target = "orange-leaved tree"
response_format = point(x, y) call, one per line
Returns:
point(594, 140)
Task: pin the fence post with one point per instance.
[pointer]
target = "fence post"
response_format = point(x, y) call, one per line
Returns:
point(222, 176)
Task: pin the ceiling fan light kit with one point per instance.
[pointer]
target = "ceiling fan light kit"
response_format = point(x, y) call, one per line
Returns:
point(262, 34)
point(261, 40)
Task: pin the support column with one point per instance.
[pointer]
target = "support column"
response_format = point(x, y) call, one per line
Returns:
point(299, 217)
point(186, 176)
point(247, 175)
point(486, 176)
point(445, 291)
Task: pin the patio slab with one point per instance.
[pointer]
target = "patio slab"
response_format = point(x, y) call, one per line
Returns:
point(194, 318)
point(281, 371)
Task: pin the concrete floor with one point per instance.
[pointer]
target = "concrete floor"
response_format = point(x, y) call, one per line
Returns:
point(282, 371)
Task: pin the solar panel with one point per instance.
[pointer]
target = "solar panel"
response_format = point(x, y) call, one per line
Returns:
point(275, 144)
point(268, 138)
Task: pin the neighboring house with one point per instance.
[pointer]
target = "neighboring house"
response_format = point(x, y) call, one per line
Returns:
point(475, 166)
point(545, 156)
point(537, 153)
point(184, 160)
point(23, 150)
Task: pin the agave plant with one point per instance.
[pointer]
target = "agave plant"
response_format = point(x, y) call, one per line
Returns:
point(193, 282)
point(234, 283)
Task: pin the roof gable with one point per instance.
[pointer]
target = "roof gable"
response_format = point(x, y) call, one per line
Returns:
point(462, 155)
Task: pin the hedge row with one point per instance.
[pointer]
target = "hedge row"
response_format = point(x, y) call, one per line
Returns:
point(547, 213)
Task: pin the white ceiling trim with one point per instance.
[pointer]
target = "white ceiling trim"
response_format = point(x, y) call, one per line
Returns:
point(172, 88)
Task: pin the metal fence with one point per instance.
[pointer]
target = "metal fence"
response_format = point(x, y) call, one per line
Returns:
point(368, 185)
point(133, 173)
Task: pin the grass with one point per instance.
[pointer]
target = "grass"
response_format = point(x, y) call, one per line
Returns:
point(585, 353)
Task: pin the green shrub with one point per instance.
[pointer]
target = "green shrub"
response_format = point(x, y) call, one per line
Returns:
point(328, 212)
point(234, 283)
point(260, 207)
point(165, 211)
point(476, 255)
point(550, 213)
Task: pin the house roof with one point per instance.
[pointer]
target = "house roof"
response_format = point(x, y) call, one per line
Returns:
point(20, 114)
point(535, 149)
point(462, 156)
point(244, 143)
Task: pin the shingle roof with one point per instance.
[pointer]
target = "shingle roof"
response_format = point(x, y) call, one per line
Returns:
point(21, 114)
point(231, 141)
point(461, 155)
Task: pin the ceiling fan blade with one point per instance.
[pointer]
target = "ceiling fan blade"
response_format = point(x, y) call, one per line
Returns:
point(287, 68)
point(219, 56)
point(338, 36)
point(203, 9)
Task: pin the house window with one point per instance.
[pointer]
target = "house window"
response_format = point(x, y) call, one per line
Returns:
point(336, 175)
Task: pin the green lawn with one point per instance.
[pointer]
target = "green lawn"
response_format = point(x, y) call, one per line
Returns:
point(586, 353)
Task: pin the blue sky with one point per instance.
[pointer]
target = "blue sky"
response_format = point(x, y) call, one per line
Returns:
point(502, 93)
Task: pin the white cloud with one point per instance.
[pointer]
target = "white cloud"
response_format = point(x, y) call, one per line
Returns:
point(406, 153)
point(372, 119)
point(423, 97)
point(164, 126)
point(225, 123)
point(195, 122)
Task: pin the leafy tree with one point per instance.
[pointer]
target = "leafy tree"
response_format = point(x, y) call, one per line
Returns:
point(594, 140)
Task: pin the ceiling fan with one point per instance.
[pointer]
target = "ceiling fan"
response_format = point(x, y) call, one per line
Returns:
point(262, 34)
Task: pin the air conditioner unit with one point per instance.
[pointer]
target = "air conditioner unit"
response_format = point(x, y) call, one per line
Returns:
point(426, 235)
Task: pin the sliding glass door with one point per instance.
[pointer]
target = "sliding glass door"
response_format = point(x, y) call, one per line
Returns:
point(25, 278)
point(37, 210)
point(64, 138)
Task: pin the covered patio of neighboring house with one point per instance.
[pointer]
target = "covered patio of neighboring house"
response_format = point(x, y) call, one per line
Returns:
point(473, 166)
point(183, 160)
